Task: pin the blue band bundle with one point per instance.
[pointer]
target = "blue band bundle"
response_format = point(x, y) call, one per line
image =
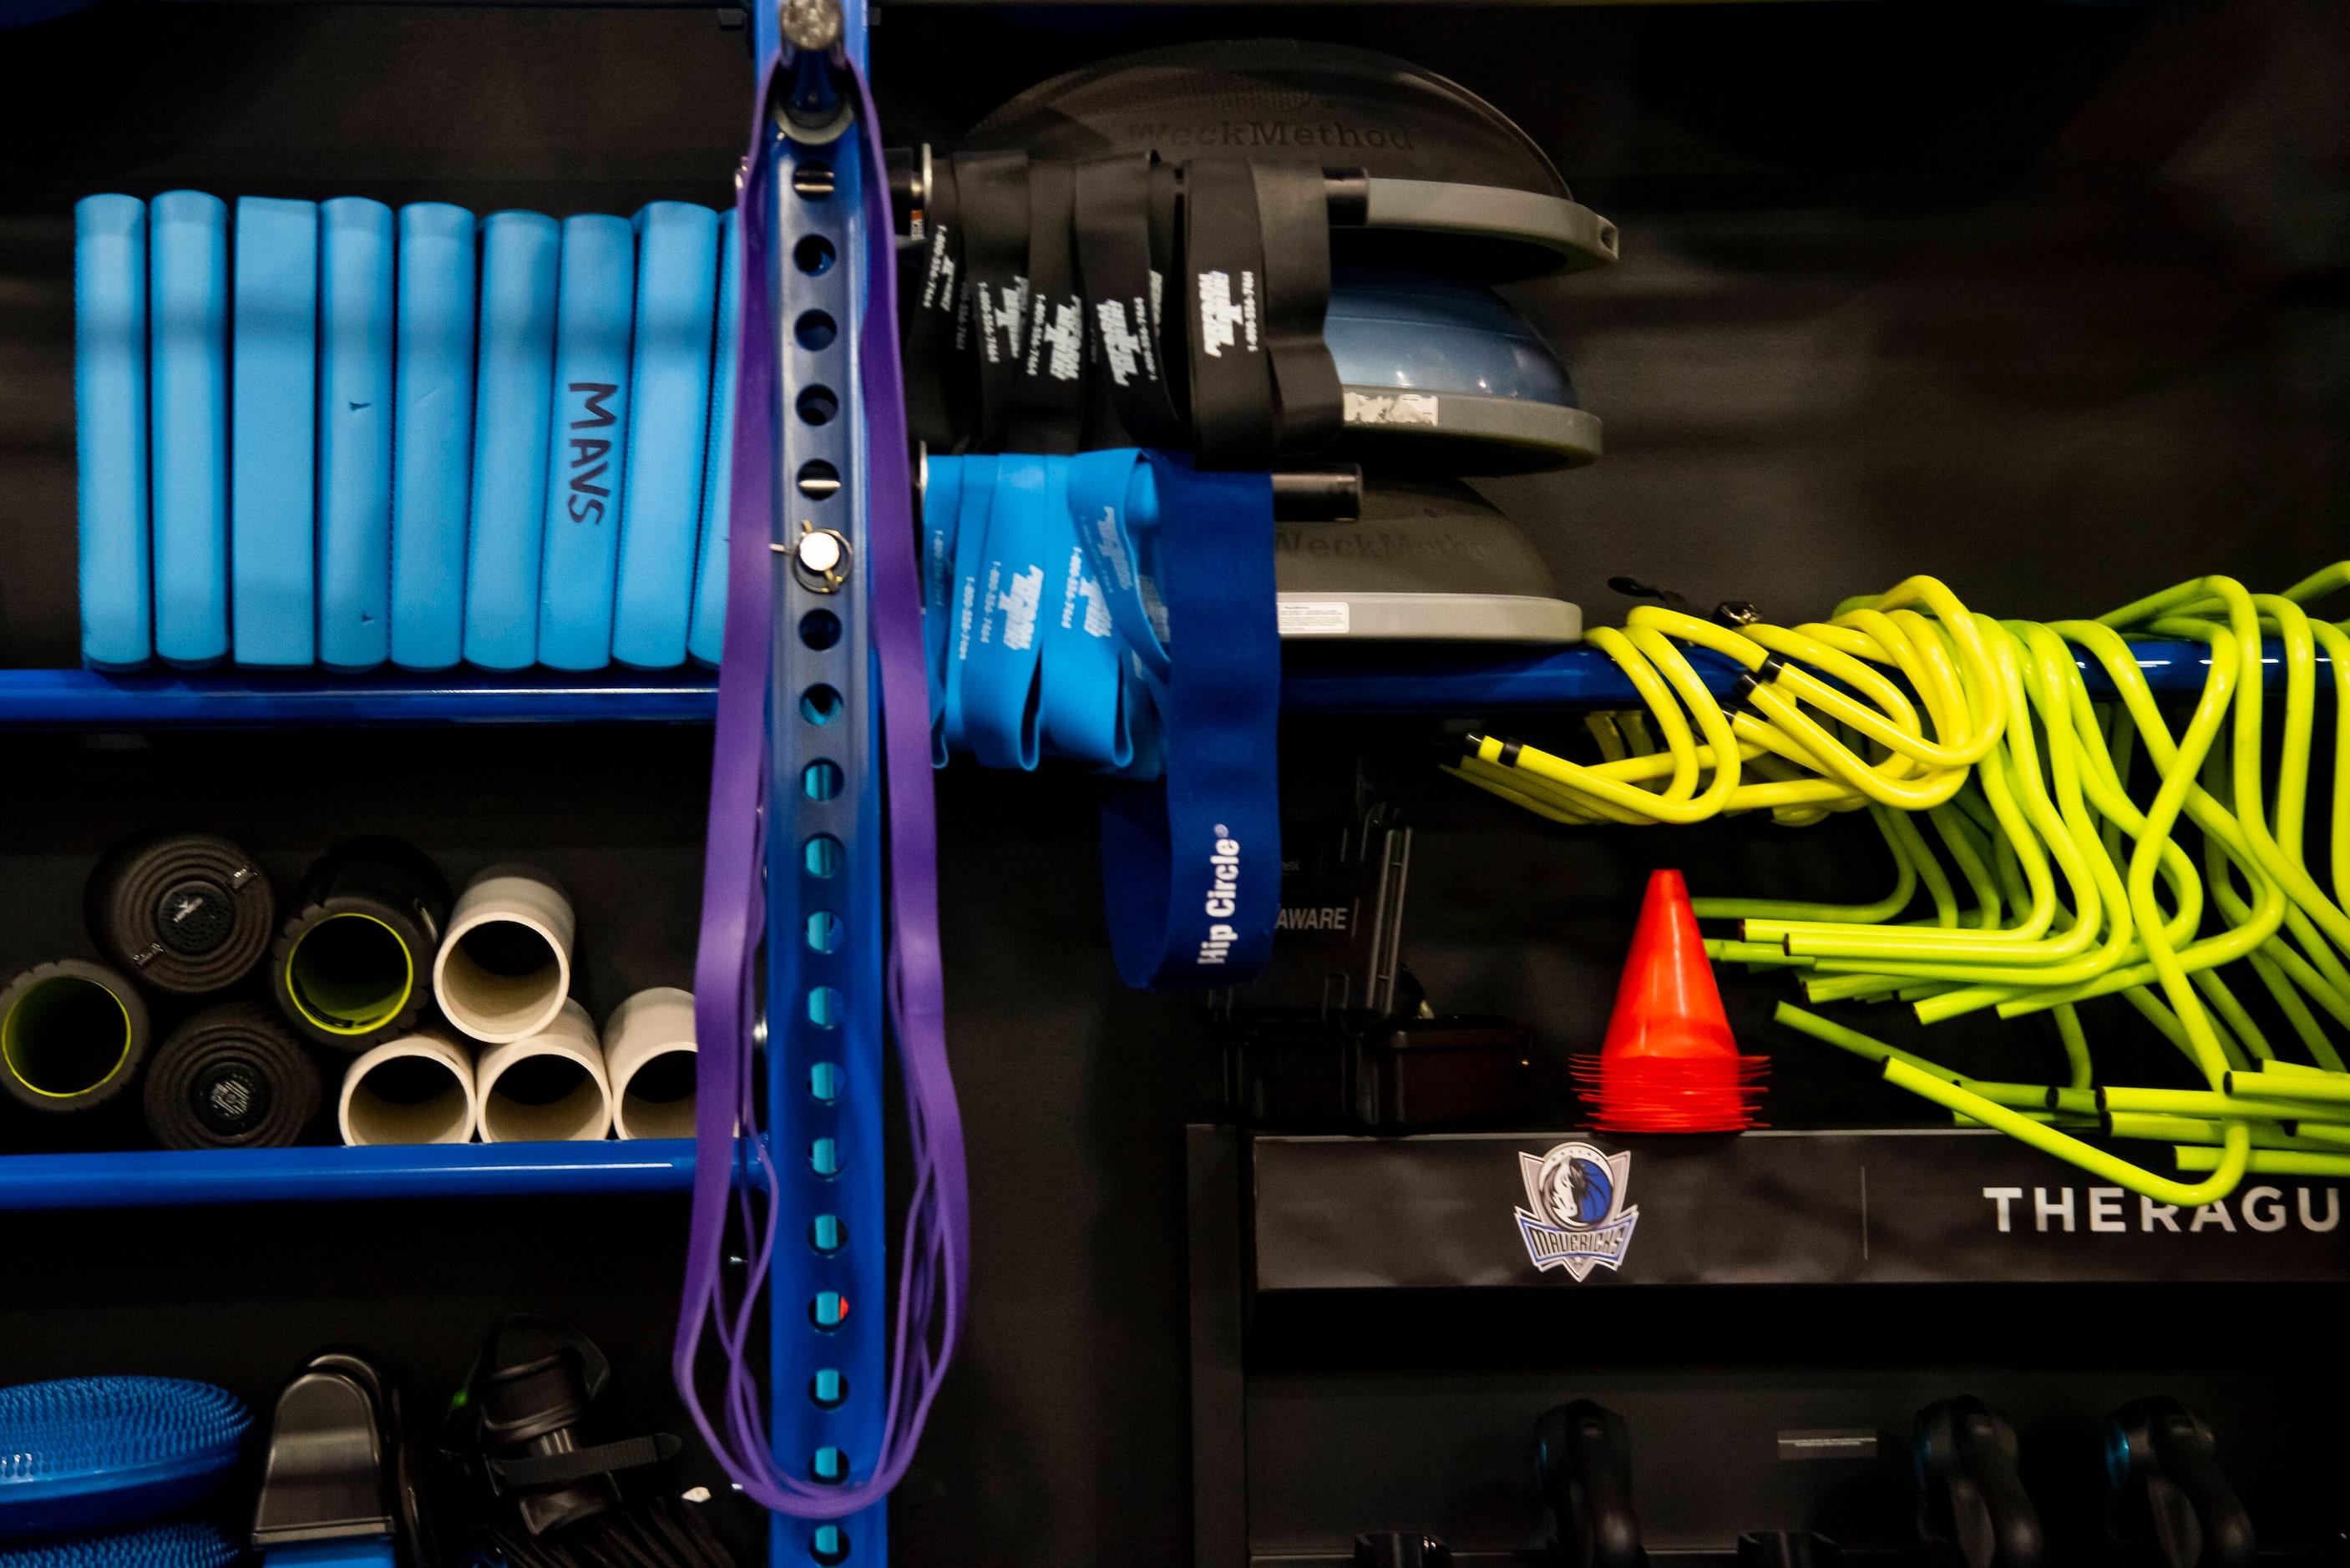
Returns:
point(967, 549)
point(1001, 677)
point(1114, 505)
point(943, 486)
point(1049, 615)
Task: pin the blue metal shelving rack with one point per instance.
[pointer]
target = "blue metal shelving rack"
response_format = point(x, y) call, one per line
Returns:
point(1316, 679)
point(143, 1178)
point(829, 1309)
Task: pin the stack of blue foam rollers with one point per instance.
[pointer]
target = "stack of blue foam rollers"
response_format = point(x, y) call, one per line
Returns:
point(331, 435)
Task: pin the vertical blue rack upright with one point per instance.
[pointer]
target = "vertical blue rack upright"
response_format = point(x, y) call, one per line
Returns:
point(829, 1312)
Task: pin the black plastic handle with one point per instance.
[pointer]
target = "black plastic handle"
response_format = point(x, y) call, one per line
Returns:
point(1328, 492)
point(1583, 1457)
point(1972, 1509)
point(2170, 1504)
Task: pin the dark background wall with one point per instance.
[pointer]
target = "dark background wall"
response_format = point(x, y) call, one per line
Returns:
point(2047, 299)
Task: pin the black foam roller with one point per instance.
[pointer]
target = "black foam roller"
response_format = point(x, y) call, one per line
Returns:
point(232, 1076)
point(183, 912)
point(354, 964)
point(72, 1034)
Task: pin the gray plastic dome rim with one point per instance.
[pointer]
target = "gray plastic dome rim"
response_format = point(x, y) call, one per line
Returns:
point(1466, 434)
point(1426, 559)
point(1576, 238)
point(1448, 173)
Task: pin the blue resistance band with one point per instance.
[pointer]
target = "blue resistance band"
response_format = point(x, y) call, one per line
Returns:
point(1070, 700)
point(1000, 686)
point(1081, 695)
point(1051, 616)
point(1114, 505)
point(941, 507)
point(979, 474)
point(1191, 863)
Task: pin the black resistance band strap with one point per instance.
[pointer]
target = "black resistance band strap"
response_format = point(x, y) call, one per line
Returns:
point(1224, 296)
point(1292, 213)
point(935, 310)
point(1048, 418)
point(1166, 266)
point(992, 188)
point(1122, 292)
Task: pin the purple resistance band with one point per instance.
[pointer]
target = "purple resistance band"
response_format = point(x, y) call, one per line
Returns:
point(934, 1265)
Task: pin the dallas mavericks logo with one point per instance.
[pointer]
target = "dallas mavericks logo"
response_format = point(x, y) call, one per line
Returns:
point(1575, 1217)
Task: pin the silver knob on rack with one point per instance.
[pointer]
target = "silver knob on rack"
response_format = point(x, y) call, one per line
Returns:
point(813, 25)
point(821, 557)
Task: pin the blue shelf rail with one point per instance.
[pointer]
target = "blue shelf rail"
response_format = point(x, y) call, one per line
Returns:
point(225, 699)
point(1316, 679)
point(1467, 680)
point(153, 1177)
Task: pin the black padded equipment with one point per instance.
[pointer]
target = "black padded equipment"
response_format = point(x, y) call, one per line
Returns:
point(1446, 182)
point(72, 1034)
point(232, 1076)
point(183, 912)
point(353, 966)
point(1582, 1460)
point(2169, 1505)
point(1972, 1511)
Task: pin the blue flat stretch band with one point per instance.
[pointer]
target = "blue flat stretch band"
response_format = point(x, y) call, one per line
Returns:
point(1113, 502)
point(1000, 701)
point(1083, 702)
point(941, 510)
point(1191, 863)
point(962, 608)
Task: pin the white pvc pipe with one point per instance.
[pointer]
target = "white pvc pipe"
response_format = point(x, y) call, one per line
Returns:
point(388, 1095)
point(652, 1029)
point(549, 1088)
point(504, 968)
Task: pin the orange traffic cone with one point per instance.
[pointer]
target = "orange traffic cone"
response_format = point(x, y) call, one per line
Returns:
point(1669, 1064)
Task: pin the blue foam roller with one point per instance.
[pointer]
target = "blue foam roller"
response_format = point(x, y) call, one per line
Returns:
point(433, 435)
point(273, 430)
point(187, 303)
point(110, 430)
point(96, 1453)
point(588, 448)
point(355, 421)
point(660, 515)
point(514, 401)
point(707, 638)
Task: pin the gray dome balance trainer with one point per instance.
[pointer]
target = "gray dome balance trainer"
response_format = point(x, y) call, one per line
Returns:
point(1455, 187)
point(1428, 561)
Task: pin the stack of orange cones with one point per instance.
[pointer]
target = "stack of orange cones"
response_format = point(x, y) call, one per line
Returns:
point(1669, 1064)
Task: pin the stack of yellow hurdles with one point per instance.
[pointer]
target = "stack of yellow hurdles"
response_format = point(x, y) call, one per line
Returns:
point(2097, 850)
